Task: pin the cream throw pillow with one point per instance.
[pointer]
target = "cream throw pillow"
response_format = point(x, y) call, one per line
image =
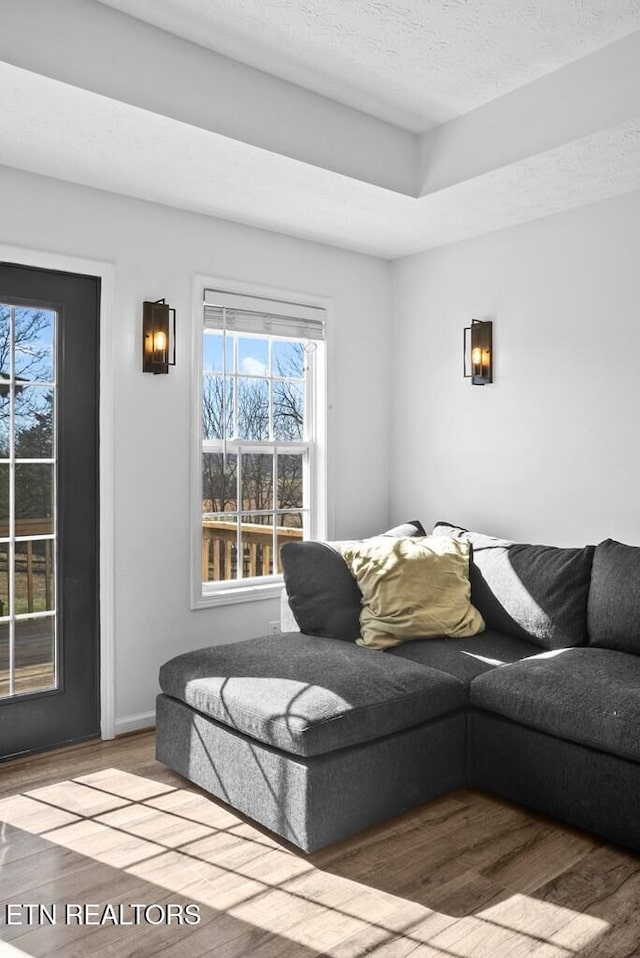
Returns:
point(412, 588)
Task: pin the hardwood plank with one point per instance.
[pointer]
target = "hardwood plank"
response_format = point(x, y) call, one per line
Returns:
point(166, 829)
point(617, 916)
point(20, 879)
point(115, 781)
point(76, 798)
point(466, 876)
point(549, 853)
point(107, 845)
point(443, 814)
point(195, 807)
point(33, 816)
point(591, 883)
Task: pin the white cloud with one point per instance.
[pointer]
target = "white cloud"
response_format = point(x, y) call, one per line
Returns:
point(251, 366)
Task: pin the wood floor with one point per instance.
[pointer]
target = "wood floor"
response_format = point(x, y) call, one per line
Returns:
point(467, 876)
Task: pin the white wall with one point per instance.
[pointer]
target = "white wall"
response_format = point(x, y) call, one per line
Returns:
point(551, 451)
point(155, 252)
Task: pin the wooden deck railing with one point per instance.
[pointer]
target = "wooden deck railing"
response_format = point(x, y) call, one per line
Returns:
point(220, 547)
point(34, 566)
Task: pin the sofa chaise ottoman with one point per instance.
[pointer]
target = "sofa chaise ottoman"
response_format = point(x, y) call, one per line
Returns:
point(315, 737)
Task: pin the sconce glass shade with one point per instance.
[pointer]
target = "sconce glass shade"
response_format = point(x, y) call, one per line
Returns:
point(478, 352)
point(157, 333)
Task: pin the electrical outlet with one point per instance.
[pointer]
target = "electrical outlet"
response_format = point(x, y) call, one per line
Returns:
point(274, 628)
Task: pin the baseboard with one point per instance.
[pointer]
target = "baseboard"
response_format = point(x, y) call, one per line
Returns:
point(135, 723)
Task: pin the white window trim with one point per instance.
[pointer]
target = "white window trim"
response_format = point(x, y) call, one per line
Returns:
point(249, 590)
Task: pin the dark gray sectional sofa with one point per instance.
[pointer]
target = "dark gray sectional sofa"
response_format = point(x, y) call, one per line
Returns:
point(316, 738)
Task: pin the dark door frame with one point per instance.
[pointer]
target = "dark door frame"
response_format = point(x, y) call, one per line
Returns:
point(19, 256)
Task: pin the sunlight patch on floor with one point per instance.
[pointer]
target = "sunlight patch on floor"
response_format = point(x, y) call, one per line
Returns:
point(10, 951)
point(542, 919)
point(32, 815)
point(103, 844)
point(183, 842)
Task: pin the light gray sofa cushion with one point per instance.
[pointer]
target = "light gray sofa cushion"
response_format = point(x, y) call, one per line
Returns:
point(536, 593)
point(466, 658)
point(307, 694)
point(614, 597)
point(589, 696)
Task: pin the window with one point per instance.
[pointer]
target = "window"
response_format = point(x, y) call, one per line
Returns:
point(260, 437)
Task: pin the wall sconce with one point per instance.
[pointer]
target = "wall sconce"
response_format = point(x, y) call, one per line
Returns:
point(478, 352)
point(158, 333)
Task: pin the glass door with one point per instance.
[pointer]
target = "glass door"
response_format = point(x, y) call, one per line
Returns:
point(28, 639)
point(49, 323)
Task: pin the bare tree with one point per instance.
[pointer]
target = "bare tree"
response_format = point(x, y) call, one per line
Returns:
point(30, 352)
point(252, 397)
point(33, 407)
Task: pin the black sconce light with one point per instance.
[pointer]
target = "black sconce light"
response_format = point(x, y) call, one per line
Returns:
point(478, 352)
point(158, 335)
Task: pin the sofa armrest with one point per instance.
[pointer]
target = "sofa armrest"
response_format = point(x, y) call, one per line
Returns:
point(287, 621)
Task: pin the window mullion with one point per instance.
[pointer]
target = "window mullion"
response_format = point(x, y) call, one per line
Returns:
point(275, 513)
point(270, 368)
point(239, 563)
point(235, 387)
point(308, 473)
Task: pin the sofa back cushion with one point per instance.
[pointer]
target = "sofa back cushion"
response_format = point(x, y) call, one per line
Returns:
point(614, 597)
point(412, 588)
point(323, 595)
point(533, 592)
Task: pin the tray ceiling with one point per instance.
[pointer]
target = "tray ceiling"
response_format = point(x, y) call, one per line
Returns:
point(410, 62)
point(525, 107)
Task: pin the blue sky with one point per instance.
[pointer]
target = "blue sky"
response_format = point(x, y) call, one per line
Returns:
point(253, 355)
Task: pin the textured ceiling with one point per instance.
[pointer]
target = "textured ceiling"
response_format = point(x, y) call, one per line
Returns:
point(415, 63)
point(92, 96)
point(96, 141)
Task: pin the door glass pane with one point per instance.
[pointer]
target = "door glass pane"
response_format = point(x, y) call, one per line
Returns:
point(257, 545)
point(34, 492)
point(34, 576)
point(4, 579)
point(5, 419)
point(34, 336)
point(5, 380)
point(5, 344)
point(34, 422)
point(35, 654)
point(4, 500)
point(257, 481)
point(5, 680)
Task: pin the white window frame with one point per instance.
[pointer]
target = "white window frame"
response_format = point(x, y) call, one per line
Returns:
point(265, 587)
